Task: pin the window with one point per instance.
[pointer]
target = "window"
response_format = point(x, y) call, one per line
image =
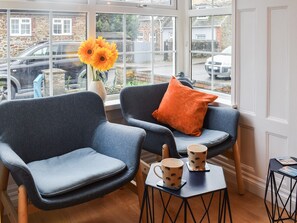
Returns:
point(211, 43)
point(144, 62)
point(54, 56)
point(20, 26)
point(146, 43)
point(62, 26)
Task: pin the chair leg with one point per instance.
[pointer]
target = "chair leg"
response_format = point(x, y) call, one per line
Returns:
point(165, 151)
point(4, 173)
point(239, 179)
point(140, 185)
point(22, 205)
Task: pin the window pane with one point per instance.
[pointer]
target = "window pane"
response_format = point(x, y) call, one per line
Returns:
point(212, 72)
point(223, 33)
point(139, 33)
point(110, 26)
point(115, 79)
point(164, 33)
point(3, 35)
point(202, 4)
point(153, 2)
point(21, 45)
point(138, 69)
point(202, 33)
point(163, 67)
point(64, 51)
point(207, 37)
point(3, 82)
point(222, 3)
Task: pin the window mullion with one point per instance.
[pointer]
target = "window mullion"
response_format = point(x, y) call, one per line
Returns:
point(124, 49)
point(8, 57)
point(51, 81)
point(152, 49)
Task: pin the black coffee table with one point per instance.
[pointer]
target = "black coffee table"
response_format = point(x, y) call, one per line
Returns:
point(197, 184)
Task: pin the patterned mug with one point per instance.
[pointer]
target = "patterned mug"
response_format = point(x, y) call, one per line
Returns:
point(197, 156)
point(172, 171)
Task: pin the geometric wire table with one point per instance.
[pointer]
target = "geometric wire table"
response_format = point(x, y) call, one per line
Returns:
point(279, 209)
point(197, 184)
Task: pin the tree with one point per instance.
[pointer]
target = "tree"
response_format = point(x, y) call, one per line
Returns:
point(114, 23)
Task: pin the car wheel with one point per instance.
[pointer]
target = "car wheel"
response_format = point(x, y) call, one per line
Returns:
point(215, 76)
point(3, 91)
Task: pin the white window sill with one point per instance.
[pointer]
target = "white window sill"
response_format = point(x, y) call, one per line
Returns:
point(112, 105)
point(115, 104)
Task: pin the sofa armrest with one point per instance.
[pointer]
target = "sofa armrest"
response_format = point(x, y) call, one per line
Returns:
point(222, 119)
point(119, 141)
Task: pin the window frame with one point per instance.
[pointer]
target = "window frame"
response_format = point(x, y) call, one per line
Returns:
point(229, 98)
point(20, 23)
point(63, 33)
point(173, 4)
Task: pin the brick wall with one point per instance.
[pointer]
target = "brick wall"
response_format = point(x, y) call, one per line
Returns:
point(40, 32)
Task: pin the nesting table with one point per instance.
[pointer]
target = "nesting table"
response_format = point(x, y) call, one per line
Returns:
point(280, 206)
point(198, 184)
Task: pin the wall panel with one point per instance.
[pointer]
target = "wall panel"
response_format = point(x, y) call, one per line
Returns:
point(278, 65)
point(247, 21)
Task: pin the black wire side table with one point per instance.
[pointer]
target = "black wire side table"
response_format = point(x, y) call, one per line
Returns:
point(281, 207)
point(198, 184)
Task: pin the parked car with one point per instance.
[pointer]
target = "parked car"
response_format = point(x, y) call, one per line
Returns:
point(220, 64)
point(24, 70)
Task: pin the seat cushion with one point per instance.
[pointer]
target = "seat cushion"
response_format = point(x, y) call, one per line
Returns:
point(73, 170)
point(183, 108)
point(208, 138)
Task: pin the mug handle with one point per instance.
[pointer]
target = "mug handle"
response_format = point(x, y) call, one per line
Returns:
point(156, 171)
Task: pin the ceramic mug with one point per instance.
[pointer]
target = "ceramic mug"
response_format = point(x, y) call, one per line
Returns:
point(172, 171)
point(197, 156)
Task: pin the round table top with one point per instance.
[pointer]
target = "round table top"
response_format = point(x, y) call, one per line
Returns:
point(197, 183)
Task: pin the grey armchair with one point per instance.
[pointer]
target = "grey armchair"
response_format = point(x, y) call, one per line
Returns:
point(219, 134)
point(61, 151)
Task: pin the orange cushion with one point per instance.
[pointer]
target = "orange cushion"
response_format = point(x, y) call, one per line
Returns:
point(183, 108)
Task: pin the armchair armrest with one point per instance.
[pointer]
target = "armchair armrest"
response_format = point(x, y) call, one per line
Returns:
point(156, 136)
point(18, 168)
point(222, 119)
point(119, 141)
point(11, 160)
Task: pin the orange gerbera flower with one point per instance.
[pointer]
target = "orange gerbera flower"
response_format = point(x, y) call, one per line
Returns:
point(114, 52)
point(101, 60)
point(101, 42)
point(86, 50)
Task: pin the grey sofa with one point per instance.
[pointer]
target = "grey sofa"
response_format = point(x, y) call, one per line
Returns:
point(219, 134)
point(61, 151)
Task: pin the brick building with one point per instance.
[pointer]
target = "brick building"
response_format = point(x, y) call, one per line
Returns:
point(28, 28)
